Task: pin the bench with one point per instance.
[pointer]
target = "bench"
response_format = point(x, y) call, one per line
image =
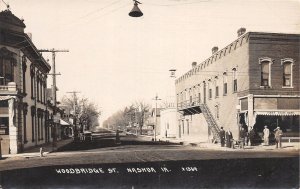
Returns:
point(290, 138)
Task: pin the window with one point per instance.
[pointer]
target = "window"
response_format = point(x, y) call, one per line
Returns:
point(225, 83)
point(210, 94)
point(6, 71)
point(225, 89)
point(217, 115)
point(287, 76)
point(24, 67)
point(32, 123)
point(217, 91)
point(265, 74)
point(4, 127)
point(37, 92)
point(32, 76)
point(234, 74)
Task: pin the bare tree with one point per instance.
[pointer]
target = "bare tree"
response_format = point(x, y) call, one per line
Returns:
point(86, 113)
point(130, 115)
point(141, 109)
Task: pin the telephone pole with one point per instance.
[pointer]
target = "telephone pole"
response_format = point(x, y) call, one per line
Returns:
point(75, 115)
point(53, 51)
point(156, 99)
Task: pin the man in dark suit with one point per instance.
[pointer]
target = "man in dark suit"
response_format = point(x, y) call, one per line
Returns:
point(222, 137)
point(278, 134)
point(242, 137)
point(229, 138)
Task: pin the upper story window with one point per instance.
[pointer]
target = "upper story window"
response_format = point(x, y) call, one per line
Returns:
point(265, 74)
point(225, 83)
point(7, 64)
point(234, 76)
point(287, 76)
point(217, 111)
point(217, 91)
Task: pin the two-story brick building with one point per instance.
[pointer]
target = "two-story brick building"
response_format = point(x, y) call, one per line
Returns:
point(24, 110)
point(253, 81)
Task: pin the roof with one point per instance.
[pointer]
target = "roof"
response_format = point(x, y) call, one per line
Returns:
point(8, 17)
point(233, 46)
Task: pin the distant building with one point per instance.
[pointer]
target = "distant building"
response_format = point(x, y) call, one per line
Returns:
point(253, 81)
point(168, 119)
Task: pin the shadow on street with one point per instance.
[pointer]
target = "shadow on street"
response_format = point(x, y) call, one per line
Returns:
point(109, 142)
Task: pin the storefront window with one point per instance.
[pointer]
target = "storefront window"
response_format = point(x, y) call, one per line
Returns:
point(4, 126)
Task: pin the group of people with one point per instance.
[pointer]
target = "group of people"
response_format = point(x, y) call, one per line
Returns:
point(246, 137)
point(278, 134)
point(226, 137)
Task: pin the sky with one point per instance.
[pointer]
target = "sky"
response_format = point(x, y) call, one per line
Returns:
point(115, 59)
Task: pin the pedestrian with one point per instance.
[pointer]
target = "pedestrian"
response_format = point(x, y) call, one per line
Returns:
point(228, 136)
point(251, 136)
point(222, 137)
point(278, 134)
point(242, 137)
point(266, 132)
point(246, 138)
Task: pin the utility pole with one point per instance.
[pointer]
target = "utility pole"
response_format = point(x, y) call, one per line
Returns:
point(74, 109)
point(53, 51)
point(156, 99)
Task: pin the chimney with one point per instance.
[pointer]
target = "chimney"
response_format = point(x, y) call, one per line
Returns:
point(241, 31)
point(194, 64)
point(214, 49)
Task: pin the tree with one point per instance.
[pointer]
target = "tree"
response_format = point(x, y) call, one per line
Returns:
point(86, 113)
point(141, 109)
point(135, 114)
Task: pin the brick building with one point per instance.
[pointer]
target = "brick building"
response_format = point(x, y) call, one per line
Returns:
point(253, 81)
point(24, 109)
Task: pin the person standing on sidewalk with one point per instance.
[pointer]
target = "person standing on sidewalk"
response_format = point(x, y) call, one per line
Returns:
point(229, 138)
point(222, 137)
point(251, 136)
point(278, 134)
point(242, 136)
point(266, 132)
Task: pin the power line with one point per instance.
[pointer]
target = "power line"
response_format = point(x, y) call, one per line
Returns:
point(177, 4)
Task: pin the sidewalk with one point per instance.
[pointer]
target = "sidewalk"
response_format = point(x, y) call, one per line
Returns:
point(35, 151)
point(211, 146)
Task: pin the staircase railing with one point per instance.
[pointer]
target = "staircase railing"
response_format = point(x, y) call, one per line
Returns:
point(212, 124)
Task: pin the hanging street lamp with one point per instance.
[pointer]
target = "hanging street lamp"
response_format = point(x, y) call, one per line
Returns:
point(136, 12)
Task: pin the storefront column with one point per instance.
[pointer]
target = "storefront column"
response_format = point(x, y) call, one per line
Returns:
point(13, 130)
point(251, 116)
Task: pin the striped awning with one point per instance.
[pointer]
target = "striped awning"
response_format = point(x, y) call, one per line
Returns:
point(278, 113)
point(5, 98)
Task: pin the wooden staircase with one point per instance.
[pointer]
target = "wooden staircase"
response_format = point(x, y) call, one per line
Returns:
point(211, 122)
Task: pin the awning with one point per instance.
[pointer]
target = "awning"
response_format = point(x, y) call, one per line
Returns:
point(62, 122)
point(278, 113)
point(5, 98)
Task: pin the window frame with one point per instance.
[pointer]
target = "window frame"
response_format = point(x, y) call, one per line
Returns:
point(283, 62)
point(270, 62)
